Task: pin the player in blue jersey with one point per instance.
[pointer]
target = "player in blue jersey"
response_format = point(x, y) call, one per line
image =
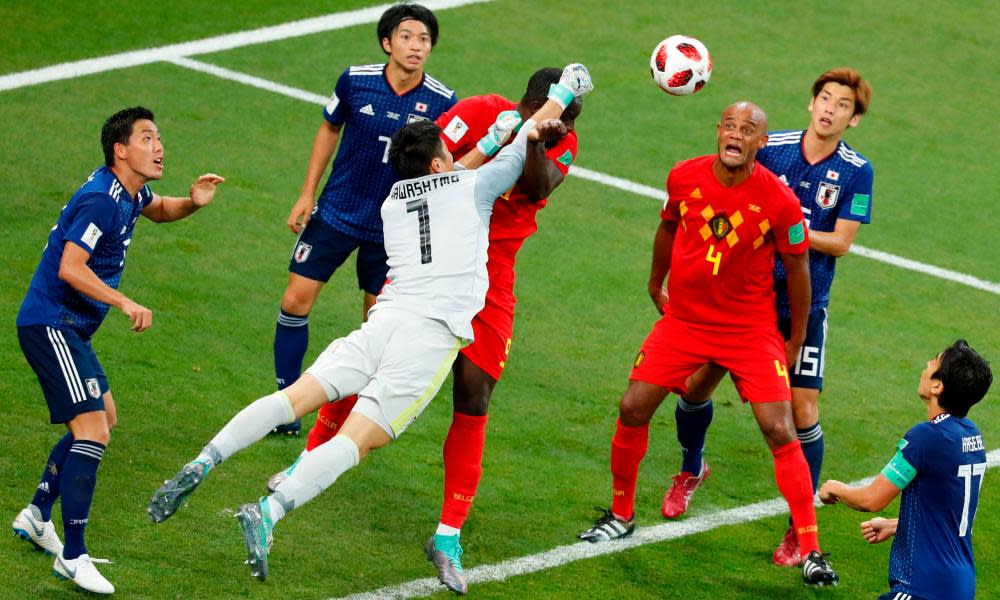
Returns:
point(368, 105)
point(834, 187)
point(75, 284)
point(939, 466)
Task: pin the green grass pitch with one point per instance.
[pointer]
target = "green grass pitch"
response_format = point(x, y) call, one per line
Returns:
point(214, 284)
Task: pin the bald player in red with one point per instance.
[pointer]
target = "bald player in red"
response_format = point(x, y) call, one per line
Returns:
point(725, 218)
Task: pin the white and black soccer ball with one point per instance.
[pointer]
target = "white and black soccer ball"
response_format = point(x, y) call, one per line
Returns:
point(680, 65)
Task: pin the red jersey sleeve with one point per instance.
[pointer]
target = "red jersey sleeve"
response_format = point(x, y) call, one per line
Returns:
point(468, 121)
point(790, 233)
point(670, 212)
point(564, 152)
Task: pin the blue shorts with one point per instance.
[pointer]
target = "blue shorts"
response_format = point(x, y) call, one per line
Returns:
point(321, 250)
point(71, 377)
point(898, 596)
point(808, 369)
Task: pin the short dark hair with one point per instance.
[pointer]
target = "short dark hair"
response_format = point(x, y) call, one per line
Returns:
point(118, 128)
point(966, 377)
point(538, 85)
point(847, 77)
point(395, 15)
point(413, 147)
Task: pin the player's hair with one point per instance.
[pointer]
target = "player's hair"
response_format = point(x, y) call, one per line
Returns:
point(413, 147)
point(848, 77)
point(966, 377)
point(538, 85)
point(398, 13)
point(118, 128)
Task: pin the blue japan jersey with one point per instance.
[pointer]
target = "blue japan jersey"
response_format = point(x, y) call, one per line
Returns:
point(99, 218)
point(370, 111)
point(939, 465)
point(837, 187)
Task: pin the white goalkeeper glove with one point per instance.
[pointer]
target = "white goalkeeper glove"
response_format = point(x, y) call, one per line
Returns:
point(574, 83)
point(499, 132)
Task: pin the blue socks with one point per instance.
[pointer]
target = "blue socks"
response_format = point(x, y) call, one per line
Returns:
point(48, 487)
point(77, 481)
point(692, 425)
point(811, 439)
point(291, 339)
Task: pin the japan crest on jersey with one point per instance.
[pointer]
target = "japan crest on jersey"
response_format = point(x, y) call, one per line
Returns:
point(827, 194)
point(302, 251)
point(93, 389)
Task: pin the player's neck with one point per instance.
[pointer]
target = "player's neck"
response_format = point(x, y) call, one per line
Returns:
point(731, 177)
point(933, 408)
point(130, 180)
point(815, 147)
point(402, 80)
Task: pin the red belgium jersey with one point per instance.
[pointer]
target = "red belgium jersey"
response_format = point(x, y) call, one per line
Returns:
point(722, 263)
point(513, 219)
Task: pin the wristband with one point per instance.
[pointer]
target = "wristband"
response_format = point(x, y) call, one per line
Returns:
point(561, 95)
point(488, 145)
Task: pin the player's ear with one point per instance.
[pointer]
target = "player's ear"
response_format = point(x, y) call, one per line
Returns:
point(811, 104)
point(120, 151)
point(763, 141)
point(854, 121)
point(386, 46)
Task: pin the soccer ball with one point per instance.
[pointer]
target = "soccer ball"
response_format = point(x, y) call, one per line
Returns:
point(680, 65)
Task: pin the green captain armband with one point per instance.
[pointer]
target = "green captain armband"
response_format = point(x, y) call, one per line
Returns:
point(898, 471)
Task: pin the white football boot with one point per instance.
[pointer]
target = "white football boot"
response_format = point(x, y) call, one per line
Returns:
point(83, 573)
point(30, 527)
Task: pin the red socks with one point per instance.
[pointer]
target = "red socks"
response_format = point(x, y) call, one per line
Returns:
point(791, 471)
point(628, 448)
point(329, 420)
point(463, 467)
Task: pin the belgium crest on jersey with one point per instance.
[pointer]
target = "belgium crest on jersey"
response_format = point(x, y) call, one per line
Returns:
point(720, 226)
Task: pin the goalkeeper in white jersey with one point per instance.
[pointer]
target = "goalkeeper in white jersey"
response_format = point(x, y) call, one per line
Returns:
point(436, 225)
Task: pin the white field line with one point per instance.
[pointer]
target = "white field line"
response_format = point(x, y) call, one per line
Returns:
point(239, 39)
point(583, 550)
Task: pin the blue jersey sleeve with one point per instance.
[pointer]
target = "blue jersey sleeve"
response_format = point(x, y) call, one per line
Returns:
point(94, 217)
point(339, 106)
point(146, 195)
point(917, 439)
point(859, 203)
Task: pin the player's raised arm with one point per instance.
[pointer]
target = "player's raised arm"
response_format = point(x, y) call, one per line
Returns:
point(324, 144)
point(506, 123)
point(164, 209)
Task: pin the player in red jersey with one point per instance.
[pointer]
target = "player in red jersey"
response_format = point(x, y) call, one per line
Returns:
point(480, 365)
point(724, 219)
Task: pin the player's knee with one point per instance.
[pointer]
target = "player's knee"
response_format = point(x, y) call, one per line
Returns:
point(295, 302)
point(473, 405)
point(778, 432)
point(634, 411)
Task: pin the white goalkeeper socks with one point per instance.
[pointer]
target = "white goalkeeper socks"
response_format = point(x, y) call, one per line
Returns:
point(249, 425)
point(317, 470)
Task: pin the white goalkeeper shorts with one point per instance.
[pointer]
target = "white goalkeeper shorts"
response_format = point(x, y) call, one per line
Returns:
point(395, 363)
